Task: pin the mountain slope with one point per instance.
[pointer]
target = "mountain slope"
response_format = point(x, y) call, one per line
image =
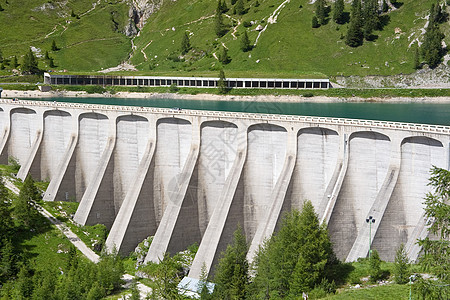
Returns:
point(287, 47)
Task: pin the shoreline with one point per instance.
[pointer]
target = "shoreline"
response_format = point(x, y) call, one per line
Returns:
point(205, 97)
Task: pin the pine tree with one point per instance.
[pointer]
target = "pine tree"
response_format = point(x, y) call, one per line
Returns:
point(23, 287)
point(354, 34)
point(8, 260)
point(1, 56)
point(416, 58)
point(54, 47)
point(320, 12)
point(30, 64)
point(51, 62)
point(371, 19)
point(6, 221)
point(224, 58)
point(221, 7)
point(338, 15)
point(245, 42)
point(232, 278)
point(401, 266)
point(432, 45)
point(385, 7)
point(240, 9)
point(24, 211)
point(221, 83)
point(295, 259)
point(375, 271)
point(233, 2)
point(315, 22)
point(1, 8)
point(185, 44)
point(14, 63)
point(219, 26)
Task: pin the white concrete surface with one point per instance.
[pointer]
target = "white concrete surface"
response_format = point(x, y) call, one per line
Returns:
point(184, 177)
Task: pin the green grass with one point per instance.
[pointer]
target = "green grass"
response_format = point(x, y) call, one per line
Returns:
point(64, 210)
point(45, 249)
point(391, 292)
point(289, 48)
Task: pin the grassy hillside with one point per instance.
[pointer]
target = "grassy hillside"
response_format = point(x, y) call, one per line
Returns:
point(88, 41)
point(289, 47)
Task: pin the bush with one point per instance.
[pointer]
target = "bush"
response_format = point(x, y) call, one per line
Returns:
point(174, 88)
point(247, 24)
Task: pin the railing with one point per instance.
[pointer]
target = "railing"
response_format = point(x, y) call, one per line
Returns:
point(238, 115)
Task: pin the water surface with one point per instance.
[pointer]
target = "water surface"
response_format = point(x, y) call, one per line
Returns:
point(425, 113)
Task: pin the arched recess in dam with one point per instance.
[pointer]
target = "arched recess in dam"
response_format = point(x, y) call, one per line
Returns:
point(405, 208)
point(24, 130)
point(57, 133)
point(132, 137)
point(266, 155)
point(317, 153)
point(218, 148)
point(174, 138)
point(93, 135)
point(369, 156)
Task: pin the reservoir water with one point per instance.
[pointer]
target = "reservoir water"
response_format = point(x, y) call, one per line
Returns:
point(424, 113)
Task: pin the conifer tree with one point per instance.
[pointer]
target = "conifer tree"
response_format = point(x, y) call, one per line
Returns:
point(185, 44)
point(240, 9)
point(54, 47)
point(30, 64)
point(296, 258)
point(401, 266)
point(432, 45)
point(1, 8)
point(224, 58)
point(385, 7)
point(355, 35)
point(1, 56)
point(6, 221)
point(371, 19)
point(375, 271)
point(219, 26)
point(221, 7)
point(14, 63)
point(338, 14)
point(416, 58)
point(245, 42)
point(232, 278)
point(24, 211)
point(221, 83)
point(315, 22)
point(320, 12)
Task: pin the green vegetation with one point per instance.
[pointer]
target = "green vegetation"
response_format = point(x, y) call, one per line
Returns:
point(436, 257)
point(232, 277)
point(81, 38)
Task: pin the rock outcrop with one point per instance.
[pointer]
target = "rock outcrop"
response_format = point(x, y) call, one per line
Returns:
point(141, 10)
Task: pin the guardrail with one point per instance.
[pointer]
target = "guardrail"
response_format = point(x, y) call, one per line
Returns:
point(240, 115)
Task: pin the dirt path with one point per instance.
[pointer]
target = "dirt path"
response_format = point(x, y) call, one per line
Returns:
point(77, 242)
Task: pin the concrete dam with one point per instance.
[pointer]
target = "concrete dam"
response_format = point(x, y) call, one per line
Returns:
point(186, 176)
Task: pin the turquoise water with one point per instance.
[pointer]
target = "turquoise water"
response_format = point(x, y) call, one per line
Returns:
point(425, 113)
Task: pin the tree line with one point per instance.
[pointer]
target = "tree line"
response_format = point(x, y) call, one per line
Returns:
point(29, 63)
point(19, 276)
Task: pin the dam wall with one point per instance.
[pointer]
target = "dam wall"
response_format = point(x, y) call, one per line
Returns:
point(186, 176)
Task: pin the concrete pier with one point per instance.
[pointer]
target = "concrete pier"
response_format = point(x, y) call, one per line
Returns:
point(192, 176)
